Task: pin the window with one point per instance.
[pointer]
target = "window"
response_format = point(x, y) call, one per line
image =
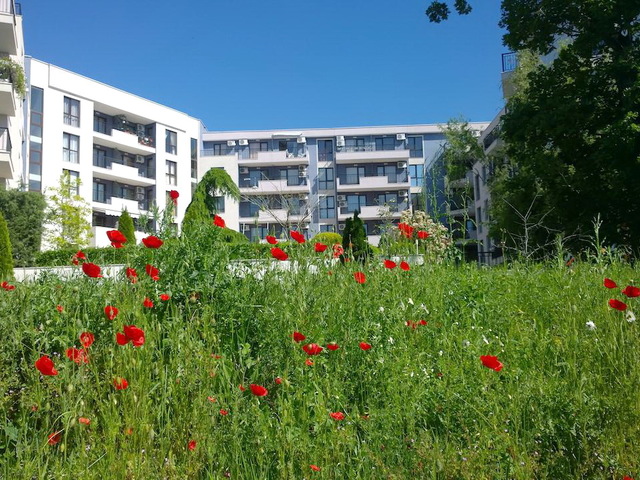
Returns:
point(256, 147)
point(70, 148)
point(74, 181)
point(171, 142)
point(172, 173)
point(415, 147)
point(194, 158)
point(292, 176)
point(388, 199)
point(327, 228)
point(416, 172)
point(99, 192)
point(218, 204)
point(354, 144)
point(356, 202)
point(71, 112)
point(385, 143)
point(325, 150)
point(352, 175)
point(479, 219)
point(327, 207)
point(99, 157)
point(325, 178)
point(35, 143)
point(388, 171)
point(99, 123)
point(249, 209)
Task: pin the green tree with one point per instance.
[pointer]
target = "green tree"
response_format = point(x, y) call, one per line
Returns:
point(204, 202)
point(6, 258)
point(67, 215)
point(24, 213)
point(354, 239)
point(462, 149)
point(439, 11)
point(125, 225)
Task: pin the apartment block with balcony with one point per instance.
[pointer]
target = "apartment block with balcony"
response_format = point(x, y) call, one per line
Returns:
point(314, 179)
point(11, 77)
point(128, 152)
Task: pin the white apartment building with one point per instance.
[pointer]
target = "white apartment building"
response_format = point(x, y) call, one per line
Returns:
point(314, 179)
point(128, 152)
point(11, 114)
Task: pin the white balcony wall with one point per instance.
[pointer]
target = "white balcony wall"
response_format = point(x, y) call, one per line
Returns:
point(372, 183)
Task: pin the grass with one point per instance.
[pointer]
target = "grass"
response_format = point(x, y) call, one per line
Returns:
point(418, 404)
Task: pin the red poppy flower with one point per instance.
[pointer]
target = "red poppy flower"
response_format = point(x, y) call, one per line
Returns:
point(389, 264)
point(365, 346)
point(45, 365)
point(271, 239)
point(312, 349)
point(315, 468)
point(627, 477)
point(218, 221)
point(116, 236)
point(278, 380)
point(333, 346)
point(60, 308)
point(132, 334)
point(617, 304)
point(164, 297)
point(77, 355)
point(337, 415)
point(631, 291)
point(308, 362)
point(241, 387)
point(54, 438)
point(84, 421)
point(224, 412)
point(298, 337)
point(411, 324)
point(87, 339)
point(258, 390)
point(422, 235)
point(491, 362)
point(320, 247)
point(111, 312)
point(132, 275)
point(7, 286)
point(152, 242)
point(405, 266)
point(297, 236)
point(120, 383)
point(422, 322)
point(360, 277)
point(173, 194)
point(79, 255)
point(153, 272)
point(121, 339)
point(609, 283)
point(91, 270)
point(192, 445)
point(405, 229)
point(147, 302)
point(337, 250)
point(278, 254)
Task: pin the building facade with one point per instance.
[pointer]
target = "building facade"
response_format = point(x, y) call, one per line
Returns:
point(11, 82)
point(312, 180)
point(127, 151)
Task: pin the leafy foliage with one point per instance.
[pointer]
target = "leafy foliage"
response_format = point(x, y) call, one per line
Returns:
point(13, 72)
point(216, 182)
point(354, 239)
point(6, 259)
point(125, 225)
point(24, 213)
point(438, 11)
point(328, 238)
point(462, 149)
point(67, 215)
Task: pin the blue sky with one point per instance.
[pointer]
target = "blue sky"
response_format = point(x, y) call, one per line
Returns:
point(245, 64)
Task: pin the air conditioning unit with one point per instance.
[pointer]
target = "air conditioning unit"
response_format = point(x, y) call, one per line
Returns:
point(400, 136)
point(140, 196)
point(231, 143)
point(302, 139)
point(244, 141)
point(340, 140)
point(140, 130)
point(140, 190)
point(402, 164)
point(341, 226)
point(341, 198)
point(342, 204)
point(302, 173)
point(244, 170)
point(139, 159)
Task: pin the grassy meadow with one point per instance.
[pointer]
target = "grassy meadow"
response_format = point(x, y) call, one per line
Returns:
point(419, 404)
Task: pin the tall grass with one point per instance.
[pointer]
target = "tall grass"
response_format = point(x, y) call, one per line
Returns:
point(418, 404)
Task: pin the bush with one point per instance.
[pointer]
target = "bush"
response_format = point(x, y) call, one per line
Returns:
point(354, 240)
point(6, 260)
point(328, 238)
point(24, 213)
point(100, 256)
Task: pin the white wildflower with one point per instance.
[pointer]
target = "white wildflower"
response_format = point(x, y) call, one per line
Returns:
point(630, 316)
point(381, 309)
point(590, 325)
point(410, 301)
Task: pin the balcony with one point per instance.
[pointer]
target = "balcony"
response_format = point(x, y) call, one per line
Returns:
point(371, 212)
point(369, 154)
point(115, 206)
point(363, 184)
point(9, 41)
point(273, 158)
point(123, 174)
point(269, 187)
point(131, 142)
point(279, 215)
point(7, 98)
point(6, 165)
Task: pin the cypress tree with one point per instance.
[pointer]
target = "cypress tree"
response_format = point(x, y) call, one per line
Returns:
point(125, 225)
point(354, 238)
point(6, 259)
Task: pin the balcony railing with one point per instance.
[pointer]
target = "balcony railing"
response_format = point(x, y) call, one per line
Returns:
point(11, 7)
point(492, 137)
point(107, 162)
point(391, 178)
point(367, 147)
point(509, 62)
point(5, 140)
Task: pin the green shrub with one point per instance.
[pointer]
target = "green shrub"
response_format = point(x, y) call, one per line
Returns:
point(125, 225)
point(24, 213)
point(328, 238)
point(6, 260)
point(100, 256)
point(354, 239)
